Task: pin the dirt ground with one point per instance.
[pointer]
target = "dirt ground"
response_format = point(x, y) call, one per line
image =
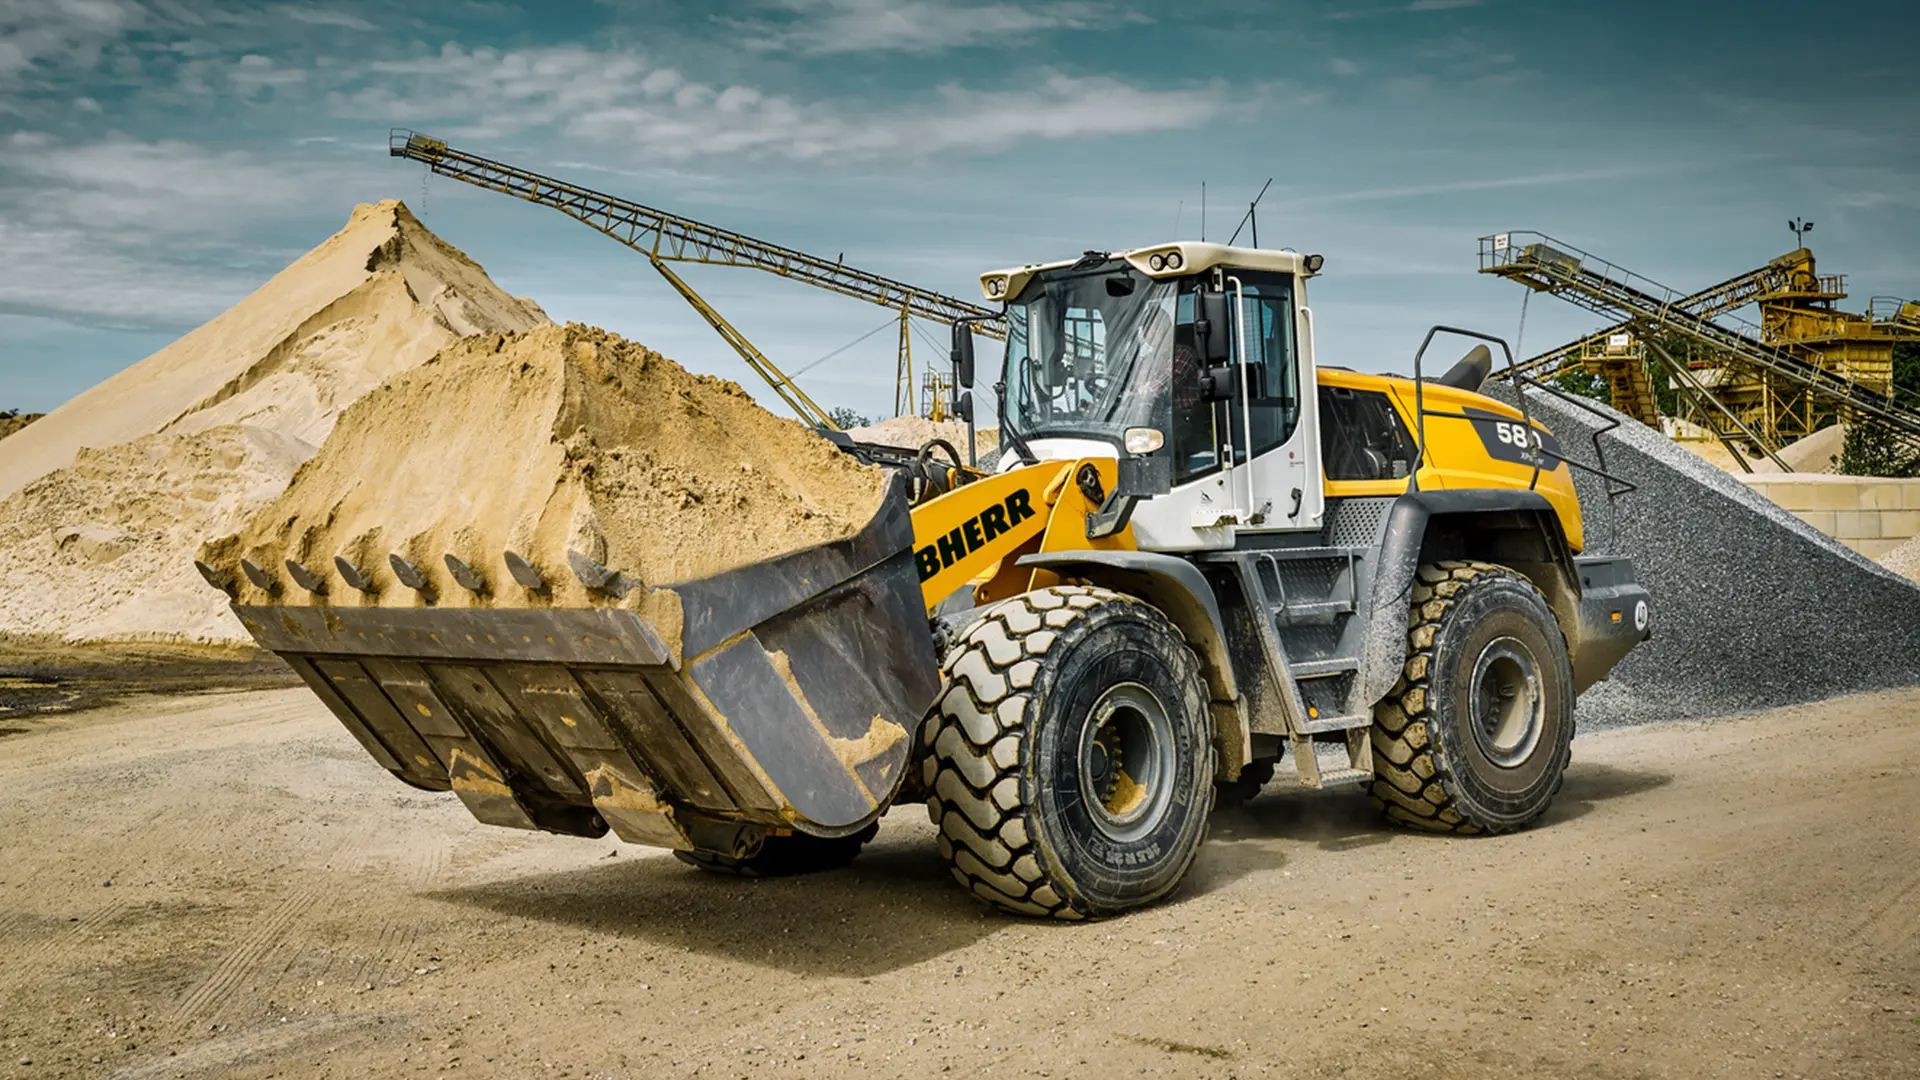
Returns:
point(223, 885)
point(42, 676)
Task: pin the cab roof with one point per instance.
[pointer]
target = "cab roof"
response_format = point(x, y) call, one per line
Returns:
point(1194, 257)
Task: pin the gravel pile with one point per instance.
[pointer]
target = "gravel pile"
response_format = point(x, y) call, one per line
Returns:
point(1753, 609)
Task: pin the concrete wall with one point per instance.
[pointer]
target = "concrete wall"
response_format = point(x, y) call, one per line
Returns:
point(1868, 514)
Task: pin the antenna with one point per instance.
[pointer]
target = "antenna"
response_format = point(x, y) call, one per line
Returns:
point(1203, 211)
point(1250, 218)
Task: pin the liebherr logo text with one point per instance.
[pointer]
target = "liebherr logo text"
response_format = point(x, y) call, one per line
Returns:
point(971, 534)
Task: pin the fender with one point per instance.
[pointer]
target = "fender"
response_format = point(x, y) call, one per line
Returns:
point(1400, 555)
point(1170, 583)
point(1179, 590)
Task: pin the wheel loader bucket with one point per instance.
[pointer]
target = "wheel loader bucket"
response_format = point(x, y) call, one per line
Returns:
point(787, 699)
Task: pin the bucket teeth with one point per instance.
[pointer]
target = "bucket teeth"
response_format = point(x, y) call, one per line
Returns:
point(219, 579)
point(470, 579)
point(524, 572)
point(410, 575)
point(598, 578)
point(260, 577)
point(307, 579)
point(353, 575)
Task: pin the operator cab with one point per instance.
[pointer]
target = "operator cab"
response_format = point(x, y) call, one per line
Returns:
point(1185, 361)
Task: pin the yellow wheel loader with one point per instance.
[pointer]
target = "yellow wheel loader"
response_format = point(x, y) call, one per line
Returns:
point(1201, 553)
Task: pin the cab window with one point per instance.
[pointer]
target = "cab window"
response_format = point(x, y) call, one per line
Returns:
point(1202, 429)
point(1362, 436)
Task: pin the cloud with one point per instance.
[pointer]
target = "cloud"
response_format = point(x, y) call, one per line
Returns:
point(1412, 6)
point(63, 33)
point(825, 27)
point(1342, 66)
point(312, 16)
point(1495, 183)
point(125, 232)
point(621, 99)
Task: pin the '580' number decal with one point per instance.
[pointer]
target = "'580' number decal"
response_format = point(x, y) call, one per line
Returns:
point(1507, 439)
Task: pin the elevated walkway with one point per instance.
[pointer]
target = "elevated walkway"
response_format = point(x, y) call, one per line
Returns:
point(1645, 306)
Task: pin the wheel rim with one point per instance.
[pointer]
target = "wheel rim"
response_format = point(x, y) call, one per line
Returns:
point(1127, 761)
point(1509, 707)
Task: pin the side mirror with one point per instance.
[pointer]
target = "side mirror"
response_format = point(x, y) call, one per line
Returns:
point(963, 355)
point(963, 406)
point(1210, 327)
point(1219, 383)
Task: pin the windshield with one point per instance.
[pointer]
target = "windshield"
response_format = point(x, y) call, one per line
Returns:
point(1089, 354)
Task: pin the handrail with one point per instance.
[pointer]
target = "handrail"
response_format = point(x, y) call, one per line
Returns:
point(1534, 448)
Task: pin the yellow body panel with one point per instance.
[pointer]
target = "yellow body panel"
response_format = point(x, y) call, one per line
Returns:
point(971, 535)
point(1456, 458)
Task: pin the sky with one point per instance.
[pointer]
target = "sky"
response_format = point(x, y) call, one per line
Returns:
point(160, 160)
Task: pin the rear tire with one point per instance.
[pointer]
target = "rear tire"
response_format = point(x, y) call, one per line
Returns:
point(1070, 755)
point(784, 856)
point(1476, 734)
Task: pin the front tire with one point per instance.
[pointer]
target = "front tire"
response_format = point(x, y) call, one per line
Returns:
point(1070, 764)
point(1476, 734)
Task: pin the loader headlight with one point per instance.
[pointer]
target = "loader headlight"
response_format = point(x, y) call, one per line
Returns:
point(1174, 260)
point(996, 287)
point(1143, 440)
point(1157, 261)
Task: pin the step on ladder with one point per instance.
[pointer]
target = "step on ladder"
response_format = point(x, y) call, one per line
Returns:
point(1302, 599)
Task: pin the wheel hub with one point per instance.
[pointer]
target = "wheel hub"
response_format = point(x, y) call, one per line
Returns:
point(1127, 761)
point(1509, 707)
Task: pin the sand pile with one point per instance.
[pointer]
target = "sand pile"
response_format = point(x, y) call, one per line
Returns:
point(104, 501)
point(1816, 453)
point(561, 440)
point(913, 432)
point(100, 549)
point(11, 422)
point(376, 298)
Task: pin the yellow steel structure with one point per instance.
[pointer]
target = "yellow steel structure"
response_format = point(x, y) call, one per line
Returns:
point(789, 391)
point(1805, 364)
point(663, 237)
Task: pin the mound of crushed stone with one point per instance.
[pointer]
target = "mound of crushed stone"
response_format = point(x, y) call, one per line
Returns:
point(1904, 560)
point(563, 439)
point(1752, 607)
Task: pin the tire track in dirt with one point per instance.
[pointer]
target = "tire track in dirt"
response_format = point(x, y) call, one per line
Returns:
point(264, 939)
point(259, 941)
point(33, 960)
point(400, 929)
point(1892, 917)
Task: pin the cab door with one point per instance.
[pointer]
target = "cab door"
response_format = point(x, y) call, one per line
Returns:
point(1219, 488)
point(1274, 427)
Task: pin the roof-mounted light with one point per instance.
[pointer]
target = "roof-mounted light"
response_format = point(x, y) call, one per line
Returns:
point(1313, 263)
